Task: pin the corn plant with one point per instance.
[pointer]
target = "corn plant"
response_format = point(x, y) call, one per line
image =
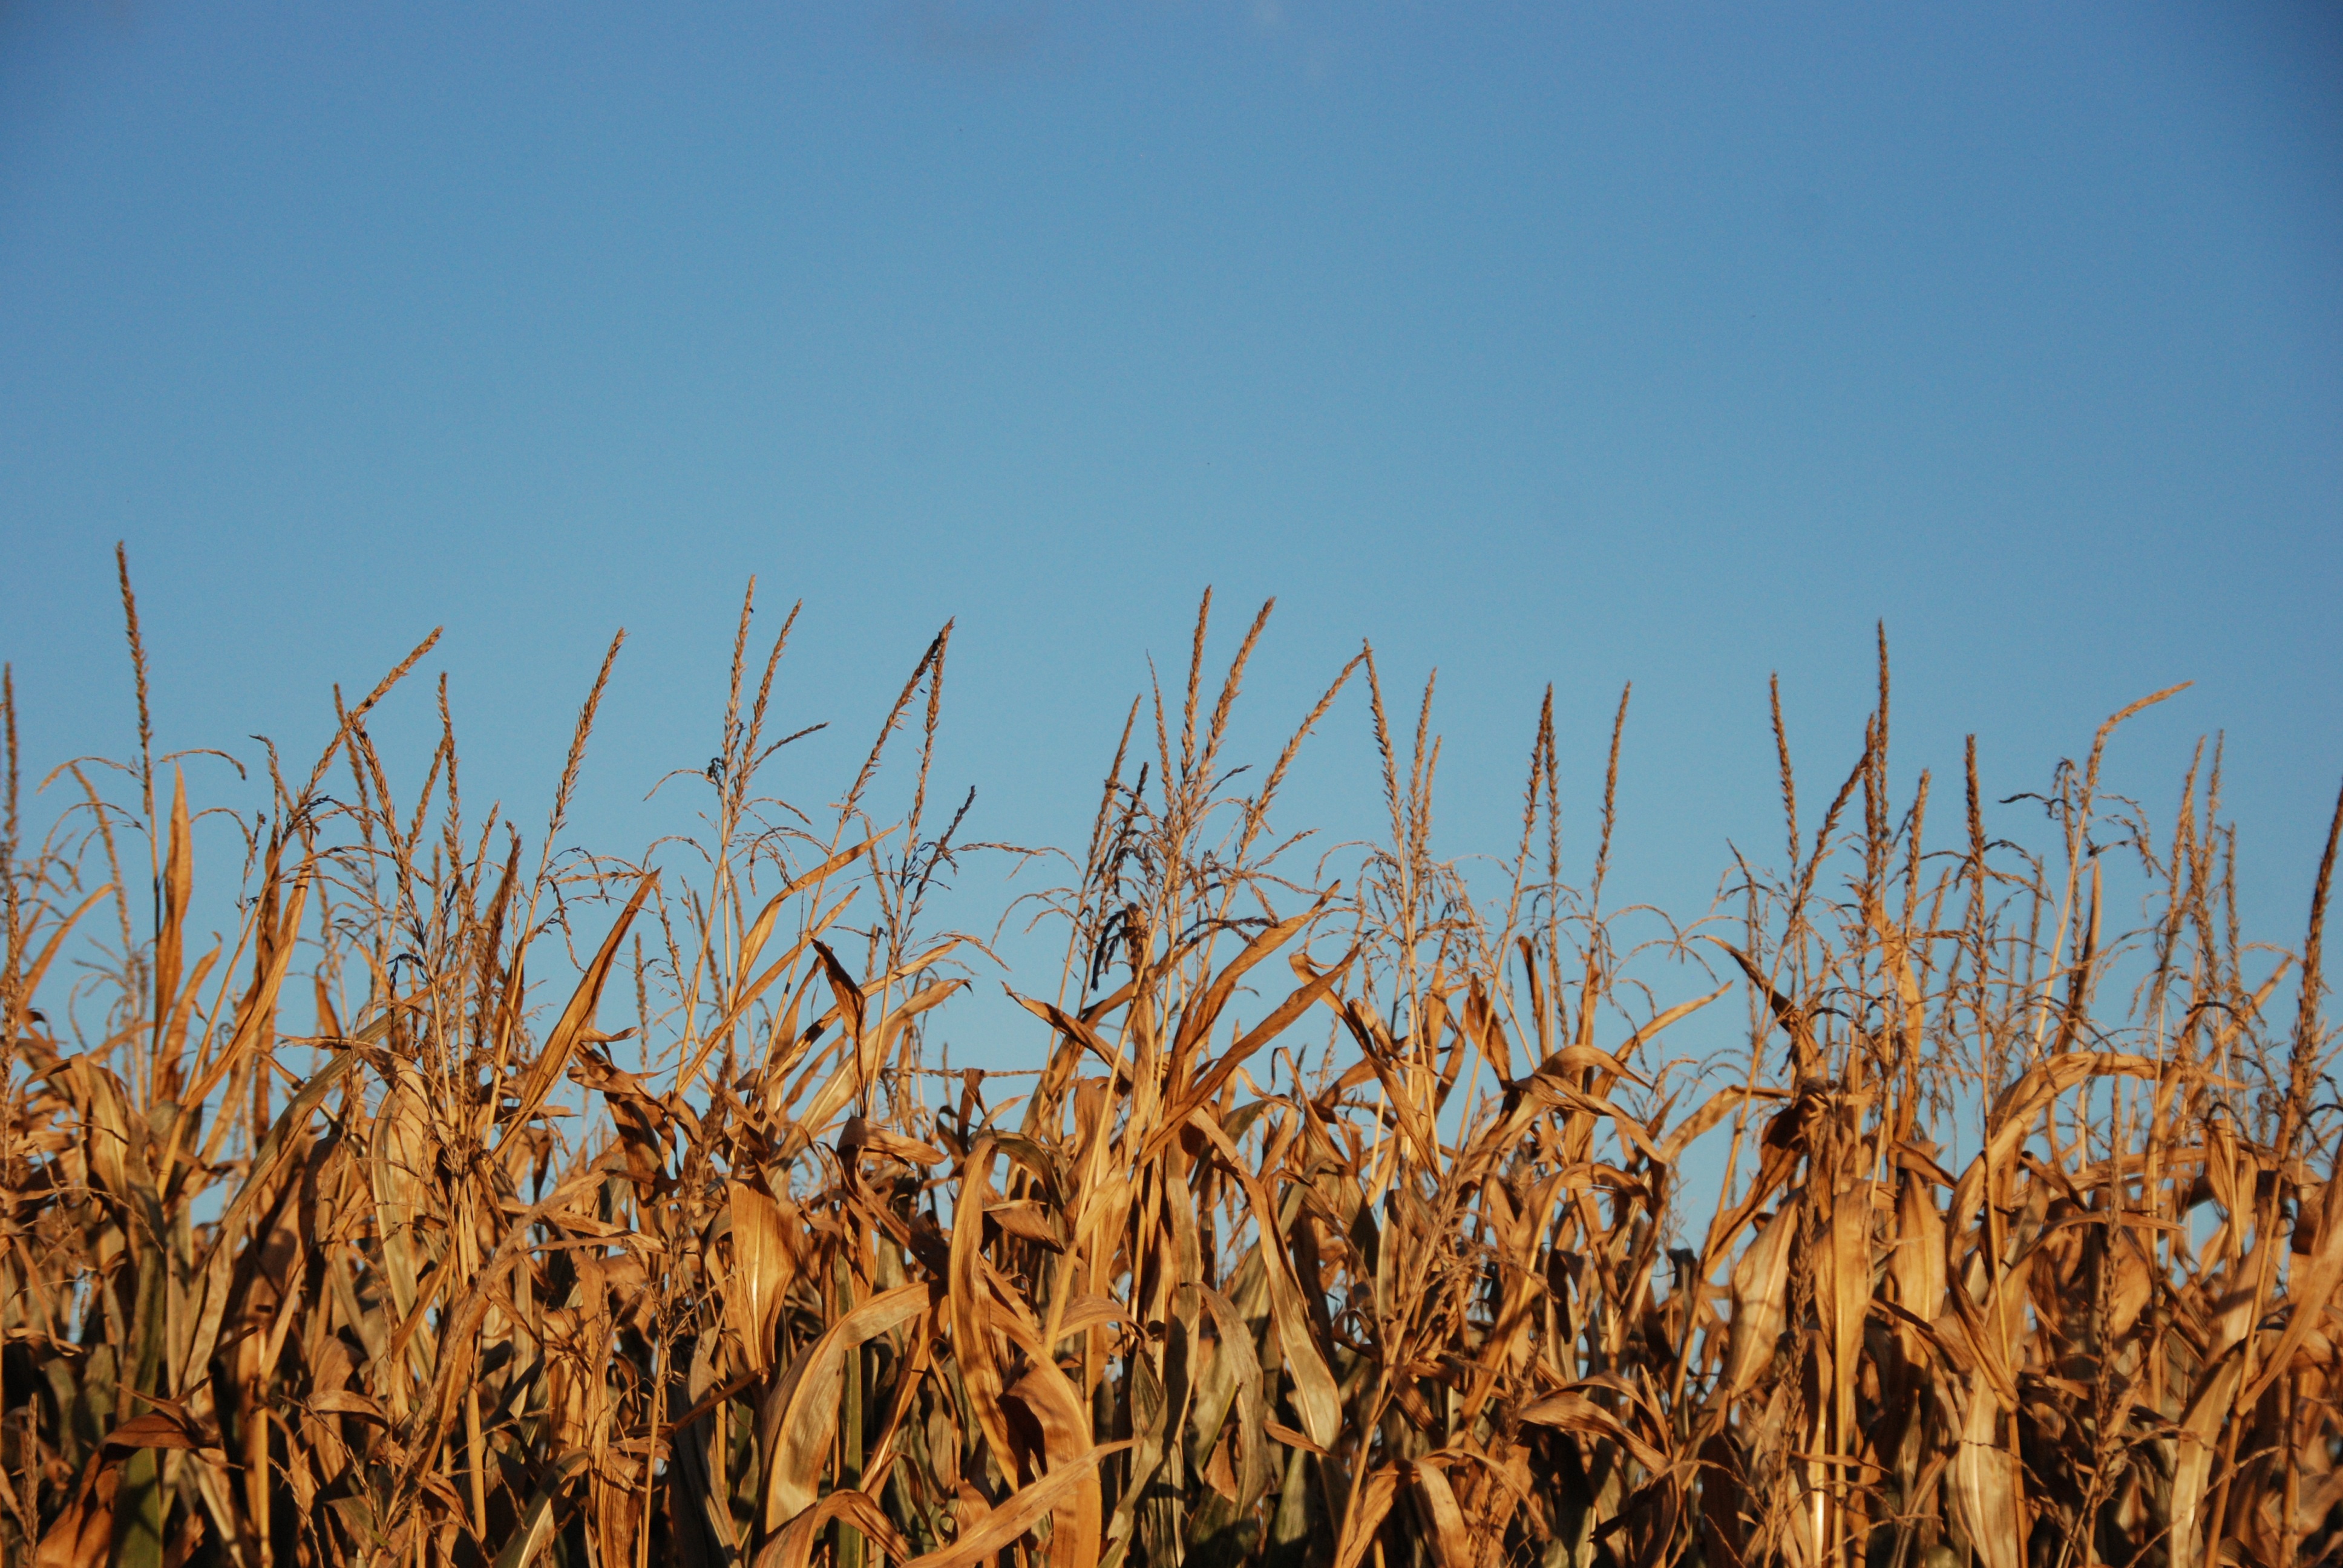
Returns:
point(1355, 1206)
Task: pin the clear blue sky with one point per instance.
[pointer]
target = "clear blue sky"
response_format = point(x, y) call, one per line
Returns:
point(1559, 344)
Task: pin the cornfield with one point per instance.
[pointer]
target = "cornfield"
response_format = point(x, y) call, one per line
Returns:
point(1338, 1220)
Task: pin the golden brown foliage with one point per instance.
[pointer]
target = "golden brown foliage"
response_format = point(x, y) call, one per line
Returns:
point(1336, 1224)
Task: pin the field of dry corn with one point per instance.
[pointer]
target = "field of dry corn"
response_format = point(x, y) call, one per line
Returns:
point(480, 1200)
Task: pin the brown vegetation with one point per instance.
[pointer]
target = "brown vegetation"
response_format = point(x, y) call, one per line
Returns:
point(1340, 1225)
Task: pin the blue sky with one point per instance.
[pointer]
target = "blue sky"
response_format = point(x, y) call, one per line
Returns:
point(1560, 344)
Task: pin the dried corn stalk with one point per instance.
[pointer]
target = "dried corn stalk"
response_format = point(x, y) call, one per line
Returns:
point(1340, 1221)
